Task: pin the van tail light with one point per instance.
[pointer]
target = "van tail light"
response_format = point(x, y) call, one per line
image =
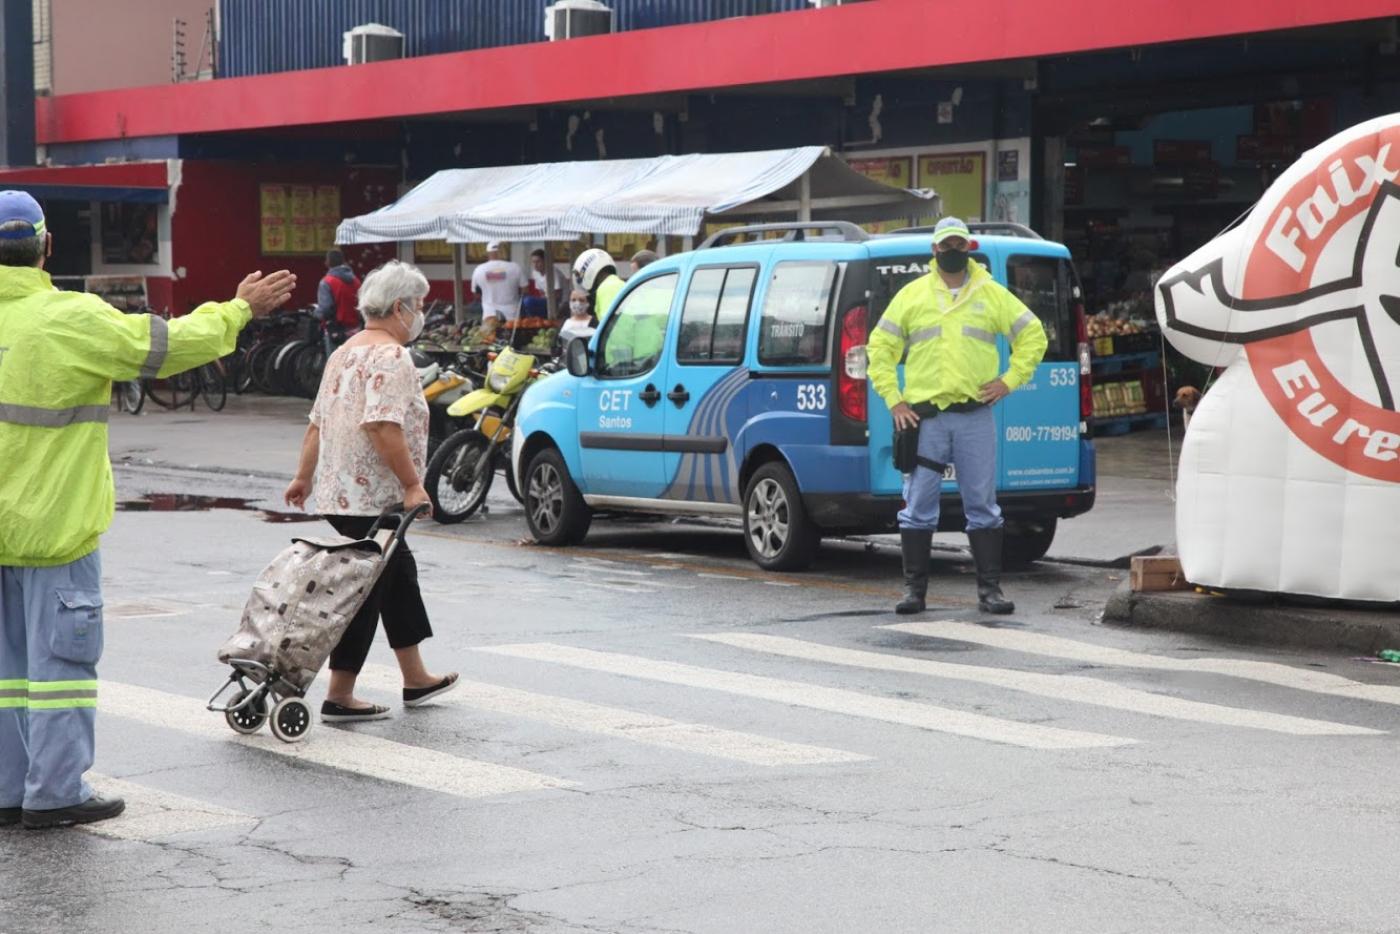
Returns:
point(1086, 365)
point(850, 379)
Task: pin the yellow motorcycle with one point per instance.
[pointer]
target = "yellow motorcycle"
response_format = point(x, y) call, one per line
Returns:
point(463, 467)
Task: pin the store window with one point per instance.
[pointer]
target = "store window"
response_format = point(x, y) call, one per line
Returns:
point(716, 311)
point(636, 332)
point(130, 233)
point(797, 313)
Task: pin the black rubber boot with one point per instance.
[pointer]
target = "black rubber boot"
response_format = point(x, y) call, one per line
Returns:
point(915, 544)
point(986, 555)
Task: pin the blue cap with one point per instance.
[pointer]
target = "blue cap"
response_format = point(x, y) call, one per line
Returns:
point(20, 206)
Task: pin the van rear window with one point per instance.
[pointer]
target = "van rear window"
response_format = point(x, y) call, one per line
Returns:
point(796, 314)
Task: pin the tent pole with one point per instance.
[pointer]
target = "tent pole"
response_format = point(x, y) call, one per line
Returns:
point(459, 310)
point(804, 197)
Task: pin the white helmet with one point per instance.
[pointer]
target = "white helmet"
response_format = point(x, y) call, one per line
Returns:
point(589, 267)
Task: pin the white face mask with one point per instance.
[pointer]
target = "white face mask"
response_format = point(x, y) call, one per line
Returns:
point(415, 324)
point(579, 308)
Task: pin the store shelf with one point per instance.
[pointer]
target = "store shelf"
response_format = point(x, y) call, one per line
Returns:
point(1126, 363)
point(1122, 424)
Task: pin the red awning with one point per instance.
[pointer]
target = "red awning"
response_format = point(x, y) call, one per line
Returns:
point(863, 38)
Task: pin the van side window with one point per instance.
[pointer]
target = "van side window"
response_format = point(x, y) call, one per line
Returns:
point(797, 313)
point(716, 310)
point(636, 332)
point(1044, 284)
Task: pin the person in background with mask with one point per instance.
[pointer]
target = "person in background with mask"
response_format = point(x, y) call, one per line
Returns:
point(363, 452)
point(595, 273)
point(580, 322)
point(948, 322)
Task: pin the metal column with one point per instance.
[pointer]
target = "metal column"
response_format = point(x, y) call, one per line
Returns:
point(459, 308)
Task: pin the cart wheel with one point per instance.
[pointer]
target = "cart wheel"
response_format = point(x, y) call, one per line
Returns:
point(291, 719)
point(247, 720)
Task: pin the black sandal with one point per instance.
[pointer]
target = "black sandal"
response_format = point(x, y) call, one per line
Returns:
point(335, 713)
point(414, 697)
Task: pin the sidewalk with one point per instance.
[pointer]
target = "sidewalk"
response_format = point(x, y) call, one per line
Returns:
point(261, 436)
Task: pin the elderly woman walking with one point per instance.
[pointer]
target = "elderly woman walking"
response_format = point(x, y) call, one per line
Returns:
point(364, 452)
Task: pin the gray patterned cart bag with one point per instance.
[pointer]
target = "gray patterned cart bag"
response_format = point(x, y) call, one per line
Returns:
point(302, 603)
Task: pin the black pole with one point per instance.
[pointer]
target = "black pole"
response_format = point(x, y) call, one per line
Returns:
point(16, 82)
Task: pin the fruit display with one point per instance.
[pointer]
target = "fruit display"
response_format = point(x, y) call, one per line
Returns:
point(542, 342)
point(1105, 325)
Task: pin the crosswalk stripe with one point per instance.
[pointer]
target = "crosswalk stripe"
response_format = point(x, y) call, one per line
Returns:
point(335, 748)
point(151, 813)
point(1033, 643)
point(622, 724)
point(817, 697)
point(1061, 687)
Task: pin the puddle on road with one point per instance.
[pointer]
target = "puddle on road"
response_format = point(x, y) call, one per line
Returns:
point(185, 502)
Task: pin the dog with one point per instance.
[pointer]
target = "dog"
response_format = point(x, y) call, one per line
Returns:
point(1187, 398)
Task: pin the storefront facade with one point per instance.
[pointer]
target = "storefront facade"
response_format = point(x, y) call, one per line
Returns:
point(1133, 141)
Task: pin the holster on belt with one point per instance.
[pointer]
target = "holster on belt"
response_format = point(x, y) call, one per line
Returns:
point(906, 440)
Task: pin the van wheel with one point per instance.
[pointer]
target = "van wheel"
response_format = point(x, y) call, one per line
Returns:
point(777, 530)
point(554, 508)
point(1026, 541)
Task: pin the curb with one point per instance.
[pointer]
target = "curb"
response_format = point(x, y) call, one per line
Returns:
point(1366, 631)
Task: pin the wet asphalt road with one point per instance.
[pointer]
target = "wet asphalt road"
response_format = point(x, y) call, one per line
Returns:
point(657, 736)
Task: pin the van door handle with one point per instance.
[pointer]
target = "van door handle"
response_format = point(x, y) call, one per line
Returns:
point(678, 395)
point(651, 395)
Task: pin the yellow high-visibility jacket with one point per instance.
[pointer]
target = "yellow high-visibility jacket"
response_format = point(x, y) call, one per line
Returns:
point(606, 294)
point(952, 342)
point(59, 353)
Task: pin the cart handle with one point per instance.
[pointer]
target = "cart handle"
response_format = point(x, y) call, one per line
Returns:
point(405, 519)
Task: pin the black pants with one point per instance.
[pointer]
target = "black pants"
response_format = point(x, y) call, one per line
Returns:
point(395, 597)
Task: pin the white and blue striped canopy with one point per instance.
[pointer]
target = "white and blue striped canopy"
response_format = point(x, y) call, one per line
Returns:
point(665, 195)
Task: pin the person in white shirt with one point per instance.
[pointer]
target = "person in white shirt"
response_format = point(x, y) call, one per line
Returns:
point(499, 282)
point(540, 276)
point(580, 323)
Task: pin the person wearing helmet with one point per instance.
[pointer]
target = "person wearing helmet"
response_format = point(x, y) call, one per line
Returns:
point(595, 272)
point(947, 323)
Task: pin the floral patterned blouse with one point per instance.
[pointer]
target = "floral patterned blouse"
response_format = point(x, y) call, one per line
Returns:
point(362, 384)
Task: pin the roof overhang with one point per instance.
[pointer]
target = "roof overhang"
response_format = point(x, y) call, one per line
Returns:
point(894, 35)
point(142, 182)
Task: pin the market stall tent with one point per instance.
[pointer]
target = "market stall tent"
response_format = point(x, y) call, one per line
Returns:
point(666, 195)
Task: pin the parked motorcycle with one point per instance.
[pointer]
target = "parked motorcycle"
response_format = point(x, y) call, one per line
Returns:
point(443, 385)
point(464, 466)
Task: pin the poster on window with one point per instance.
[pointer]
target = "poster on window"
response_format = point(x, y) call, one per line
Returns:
point(130, 234)
point(897, 171)
point(327, 216)
point(272, 201)
point(960, 178)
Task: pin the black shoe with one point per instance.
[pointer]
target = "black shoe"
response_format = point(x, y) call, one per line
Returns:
point(416, 697)
point(10, 816)
point(986, 555)
point(334, 713)
point(915, 545)
point(93, 809)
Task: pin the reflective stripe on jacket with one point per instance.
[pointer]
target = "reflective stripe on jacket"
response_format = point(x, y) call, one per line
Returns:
point(952, 342)
point(59, 353)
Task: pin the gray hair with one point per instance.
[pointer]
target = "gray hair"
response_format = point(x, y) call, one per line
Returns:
point(24, 252)
point(392, 282)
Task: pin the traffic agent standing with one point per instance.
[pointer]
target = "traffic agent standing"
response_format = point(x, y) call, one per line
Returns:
point(948, 322)
point(59, 353)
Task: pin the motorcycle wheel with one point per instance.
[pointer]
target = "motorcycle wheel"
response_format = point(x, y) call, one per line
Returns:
point(459, 476)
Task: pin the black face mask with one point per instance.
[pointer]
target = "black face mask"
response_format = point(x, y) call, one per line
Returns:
point(952, 260)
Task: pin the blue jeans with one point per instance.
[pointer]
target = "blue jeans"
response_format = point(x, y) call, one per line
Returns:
point(50, 641)
point(968, 441)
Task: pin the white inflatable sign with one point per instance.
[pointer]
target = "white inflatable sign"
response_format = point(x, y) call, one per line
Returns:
point(1290, 472)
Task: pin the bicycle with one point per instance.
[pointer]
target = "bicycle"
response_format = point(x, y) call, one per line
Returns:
point(129, 396)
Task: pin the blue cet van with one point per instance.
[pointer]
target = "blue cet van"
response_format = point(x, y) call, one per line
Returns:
point(731, 381)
